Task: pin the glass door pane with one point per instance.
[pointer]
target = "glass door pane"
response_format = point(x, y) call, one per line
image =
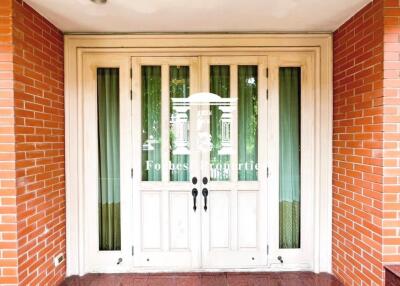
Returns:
point(179, 88)
point(248, 123)
point(220, 125)
point(151, 123)
point(108, 156)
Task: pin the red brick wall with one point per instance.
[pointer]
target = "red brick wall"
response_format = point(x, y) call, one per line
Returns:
point(366, 170)
point(357, 148)
point(31, 147)
point(8, 227)
point(391, 136)
point(39, 129)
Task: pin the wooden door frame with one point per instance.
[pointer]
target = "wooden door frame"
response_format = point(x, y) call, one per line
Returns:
point(94, 258)
point(295, 259)
point(319, 45)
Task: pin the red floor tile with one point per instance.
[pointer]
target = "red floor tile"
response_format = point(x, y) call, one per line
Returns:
point(205, 279)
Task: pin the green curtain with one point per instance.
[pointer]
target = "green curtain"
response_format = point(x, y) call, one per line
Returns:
point(109, 157)
point(220, 85)
point(151, 123)
point(179, 87)
point(247, 123)
point(289, 157)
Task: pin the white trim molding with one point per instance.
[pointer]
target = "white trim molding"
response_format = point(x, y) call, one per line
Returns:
point(320, 45)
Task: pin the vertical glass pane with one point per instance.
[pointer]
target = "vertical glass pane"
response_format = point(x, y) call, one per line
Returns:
point(289, 157)
point(151, 123)
point(108, 148)
point(247, 123)
point(219, 129)
point(179, 120)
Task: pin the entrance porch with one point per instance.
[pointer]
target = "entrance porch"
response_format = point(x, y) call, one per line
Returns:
point(233, 142)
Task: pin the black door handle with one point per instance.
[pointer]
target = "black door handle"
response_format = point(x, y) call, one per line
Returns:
point(194, 194)
point(205, 194)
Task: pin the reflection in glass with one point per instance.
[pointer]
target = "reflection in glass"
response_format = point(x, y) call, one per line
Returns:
point(289, 157)
point(179, 120)
point(219, 126)
point(109, 160)
point(151, 123)
point(247, 123)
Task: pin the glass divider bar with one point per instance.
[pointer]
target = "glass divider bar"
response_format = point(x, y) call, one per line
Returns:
point(165, 122)
point(234, 127)
point(165, 155)
point(234, 154)
point(205, 167)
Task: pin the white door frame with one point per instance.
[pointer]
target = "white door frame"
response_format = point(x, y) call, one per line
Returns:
point(193, 45)
point(294, 259)
point(94, 259)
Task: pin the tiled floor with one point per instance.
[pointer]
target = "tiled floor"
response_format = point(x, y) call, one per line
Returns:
point(205, 279)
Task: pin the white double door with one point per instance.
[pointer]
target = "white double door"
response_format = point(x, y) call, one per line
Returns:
point(196, 203)
point(201, 132)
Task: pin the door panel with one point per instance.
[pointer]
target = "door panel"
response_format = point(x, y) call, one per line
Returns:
point(179, 220)
point(151, 221)
point(247, 219)
point(219, 213)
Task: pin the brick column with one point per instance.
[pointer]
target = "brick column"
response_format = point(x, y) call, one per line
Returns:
point(366, 184)
point(391, 135)
point(39, 130)
point(32, 194)
point(8, 210)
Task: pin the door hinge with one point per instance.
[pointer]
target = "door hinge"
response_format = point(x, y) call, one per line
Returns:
point(267, 94)
point(131, 73)
point(133, 250)
point(267, 249)
point(267, 72)
point(131, 172)
point(131, 94)
point(268, 172)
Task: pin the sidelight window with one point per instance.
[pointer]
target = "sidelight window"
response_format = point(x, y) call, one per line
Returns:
point(289, 157)
point(109, 158)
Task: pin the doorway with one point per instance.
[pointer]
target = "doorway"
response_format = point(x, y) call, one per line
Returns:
point(198, 162)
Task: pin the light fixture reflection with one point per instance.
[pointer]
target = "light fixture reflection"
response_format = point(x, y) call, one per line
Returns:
point(99, 1)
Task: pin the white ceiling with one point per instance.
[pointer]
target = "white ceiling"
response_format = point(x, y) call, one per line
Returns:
point(198, 15)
